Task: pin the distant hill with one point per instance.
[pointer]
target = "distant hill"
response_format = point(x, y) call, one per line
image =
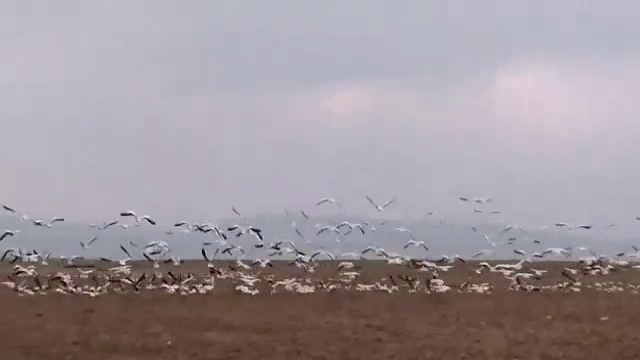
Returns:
point(441, 238)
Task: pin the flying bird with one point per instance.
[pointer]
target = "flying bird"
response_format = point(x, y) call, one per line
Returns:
point(131, 213)
point(7, 233)
point(147, 218)
point(482, 200)
point(9, 209)
point(109, 224)
point(327, 228)
point(416, 244)
point(328, 201)
point(379, 207)
point(404, 229)
point(85, 245)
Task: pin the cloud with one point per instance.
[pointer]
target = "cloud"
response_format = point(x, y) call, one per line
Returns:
point(187, 110)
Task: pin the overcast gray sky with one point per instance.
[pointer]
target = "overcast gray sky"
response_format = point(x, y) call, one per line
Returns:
point(183, 109)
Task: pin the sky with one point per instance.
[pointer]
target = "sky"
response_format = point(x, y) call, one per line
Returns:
point(183, 110)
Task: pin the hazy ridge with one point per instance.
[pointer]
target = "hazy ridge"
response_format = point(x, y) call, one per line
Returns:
point(441, 238)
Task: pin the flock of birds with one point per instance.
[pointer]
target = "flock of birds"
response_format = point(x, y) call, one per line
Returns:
point(153, 267)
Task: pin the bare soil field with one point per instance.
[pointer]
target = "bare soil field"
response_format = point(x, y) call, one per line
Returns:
point(337, 325)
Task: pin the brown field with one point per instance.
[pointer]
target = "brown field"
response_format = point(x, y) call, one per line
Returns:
point(339, 325)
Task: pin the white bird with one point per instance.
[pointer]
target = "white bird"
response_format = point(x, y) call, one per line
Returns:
point(85, 245)
point(8, 208)
point(124, 250)
point(54, 219)
point(261, 263)
point(327, 228)
point(482, 252)
point(581, 226)
point(511, 227)
point(608, 227)
point(322, 252)
point(328, 201)
point(520, 252)
point(40, 223)
point(297, 230)
point(376, 250)
point(378, 207)
point(345, 265)
point(556, 251)
point(7, 233)
point(483, 200)
point(351, 227)
point(232, 247)
point(404, 229)
point(109, 224)
point(491, 242)
point(416, 244)
point(147, 218)
point(131, 213)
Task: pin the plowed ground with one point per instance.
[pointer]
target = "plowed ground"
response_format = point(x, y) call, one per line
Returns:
point(342, 325)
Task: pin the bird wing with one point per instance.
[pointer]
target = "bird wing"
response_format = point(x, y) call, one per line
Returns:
point(204, 255)
point(371, 201)
point(125, 250)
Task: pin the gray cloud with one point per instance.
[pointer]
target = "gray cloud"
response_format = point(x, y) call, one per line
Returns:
point(185, 110)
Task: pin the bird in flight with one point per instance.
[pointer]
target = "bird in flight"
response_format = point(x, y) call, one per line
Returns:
point(379, 207)
point(327, 201)
point(132, 214)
